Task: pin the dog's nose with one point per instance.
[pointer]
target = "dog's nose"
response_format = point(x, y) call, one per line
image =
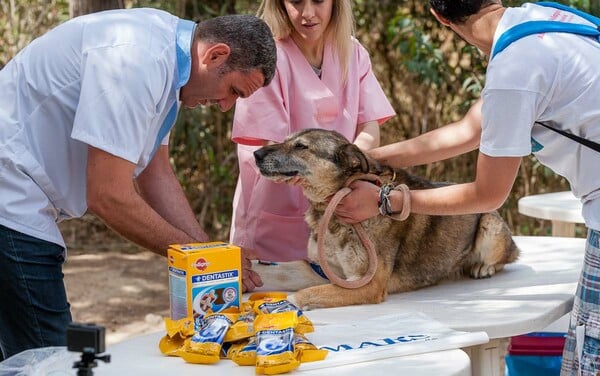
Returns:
point(260, 154)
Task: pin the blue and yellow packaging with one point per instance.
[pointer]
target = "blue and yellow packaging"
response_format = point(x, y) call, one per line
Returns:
point(203, 277)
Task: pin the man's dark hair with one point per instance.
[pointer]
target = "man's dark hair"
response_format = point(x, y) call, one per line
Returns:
point(249, 39)
point(457, 11)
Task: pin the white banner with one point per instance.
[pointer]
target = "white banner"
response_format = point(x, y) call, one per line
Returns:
point(406, 333)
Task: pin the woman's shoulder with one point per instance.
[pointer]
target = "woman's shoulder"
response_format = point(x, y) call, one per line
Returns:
point(285, 47)
point(358, 47)
point(359, 55)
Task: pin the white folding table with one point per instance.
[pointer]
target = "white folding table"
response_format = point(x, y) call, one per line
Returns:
point(562, 208)
point(525, 297)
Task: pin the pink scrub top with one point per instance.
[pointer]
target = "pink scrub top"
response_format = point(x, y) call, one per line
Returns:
point(269, 217)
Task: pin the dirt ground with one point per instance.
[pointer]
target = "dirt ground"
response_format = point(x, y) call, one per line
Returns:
point(125, 290)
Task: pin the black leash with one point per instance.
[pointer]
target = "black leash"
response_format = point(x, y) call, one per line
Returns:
point(589, 143)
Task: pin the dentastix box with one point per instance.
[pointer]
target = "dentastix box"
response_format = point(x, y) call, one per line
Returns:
point(203, 277)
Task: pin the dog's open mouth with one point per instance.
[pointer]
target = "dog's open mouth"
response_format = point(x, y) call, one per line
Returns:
point(276, 174)
point(284, 176)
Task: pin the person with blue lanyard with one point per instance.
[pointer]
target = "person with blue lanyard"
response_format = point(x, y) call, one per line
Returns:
point(541, 97)
point(85, 115)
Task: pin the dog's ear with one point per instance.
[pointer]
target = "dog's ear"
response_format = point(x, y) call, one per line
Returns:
point(354, 160)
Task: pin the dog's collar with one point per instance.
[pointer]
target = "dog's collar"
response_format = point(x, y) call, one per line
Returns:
point(314, 266)
point(317, 269)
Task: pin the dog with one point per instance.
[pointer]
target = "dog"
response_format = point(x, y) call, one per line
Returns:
point(411, 254)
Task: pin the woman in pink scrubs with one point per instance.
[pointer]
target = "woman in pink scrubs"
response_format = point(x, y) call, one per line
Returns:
point(323, 80)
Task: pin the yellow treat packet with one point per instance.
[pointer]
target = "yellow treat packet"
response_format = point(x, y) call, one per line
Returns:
point(243, 353)
point(270, 304)
point(275, 343)
point(184, 327)
point(242, 328)
point(205, 346)
point(306, 351)
point(262, 295)
point(170, 345)
point(177, 332)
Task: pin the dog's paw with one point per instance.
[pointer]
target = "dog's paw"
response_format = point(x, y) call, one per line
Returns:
point(482, 270)
point(294, 299)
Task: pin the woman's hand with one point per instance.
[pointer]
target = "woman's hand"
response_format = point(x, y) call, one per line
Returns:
point(360, 204)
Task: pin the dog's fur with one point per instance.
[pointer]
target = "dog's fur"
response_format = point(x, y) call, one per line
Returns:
point(418, 252)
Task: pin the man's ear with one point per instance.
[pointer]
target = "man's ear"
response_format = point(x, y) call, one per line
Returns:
point(216, 55)
point(440, 19)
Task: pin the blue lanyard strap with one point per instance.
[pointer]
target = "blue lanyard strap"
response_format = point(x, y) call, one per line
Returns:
point(593, 19)
point(536, 27)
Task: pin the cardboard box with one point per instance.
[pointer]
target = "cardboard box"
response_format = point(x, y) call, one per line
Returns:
point(202, 277)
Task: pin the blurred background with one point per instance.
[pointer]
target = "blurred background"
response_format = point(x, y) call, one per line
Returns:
point(430, 76)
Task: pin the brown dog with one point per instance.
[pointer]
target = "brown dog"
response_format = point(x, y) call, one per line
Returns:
point(417, 252)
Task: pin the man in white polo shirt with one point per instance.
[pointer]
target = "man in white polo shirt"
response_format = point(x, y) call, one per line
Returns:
point(85, 115)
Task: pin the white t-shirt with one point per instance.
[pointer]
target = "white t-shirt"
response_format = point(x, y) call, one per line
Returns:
point(553, 78)
point(108, 80)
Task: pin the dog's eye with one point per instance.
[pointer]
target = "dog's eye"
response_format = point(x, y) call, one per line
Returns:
point(300, 146)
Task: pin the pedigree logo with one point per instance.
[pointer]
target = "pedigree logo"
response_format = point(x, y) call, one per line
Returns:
point(201, 264)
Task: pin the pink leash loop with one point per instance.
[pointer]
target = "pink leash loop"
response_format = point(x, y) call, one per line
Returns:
point(364, 238)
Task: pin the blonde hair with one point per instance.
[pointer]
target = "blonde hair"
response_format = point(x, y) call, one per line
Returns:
point(340, 29)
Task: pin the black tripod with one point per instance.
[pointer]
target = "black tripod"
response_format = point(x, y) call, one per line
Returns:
point(88, 361)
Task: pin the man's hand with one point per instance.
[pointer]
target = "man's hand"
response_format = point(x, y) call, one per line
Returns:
point(360, 204)
point(250, 279)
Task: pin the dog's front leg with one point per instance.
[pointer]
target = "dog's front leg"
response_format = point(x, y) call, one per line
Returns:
point(287, 276)
point(329, 296)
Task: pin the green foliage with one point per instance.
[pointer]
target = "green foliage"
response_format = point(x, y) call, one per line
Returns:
point(23, 20)
point(418, 53)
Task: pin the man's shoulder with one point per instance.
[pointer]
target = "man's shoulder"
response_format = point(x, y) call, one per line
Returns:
point(152, 30)
point(116, 18)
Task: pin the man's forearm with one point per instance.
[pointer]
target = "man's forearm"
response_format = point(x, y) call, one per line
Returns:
point(160, 188)
point(130, 216)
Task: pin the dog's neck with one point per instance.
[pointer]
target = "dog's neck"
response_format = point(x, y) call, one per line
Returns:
point(320, 206)
point(384, 176)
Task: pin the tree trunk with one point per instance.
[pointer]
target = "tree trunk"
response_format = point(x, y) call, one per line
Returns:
point(81, 7)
